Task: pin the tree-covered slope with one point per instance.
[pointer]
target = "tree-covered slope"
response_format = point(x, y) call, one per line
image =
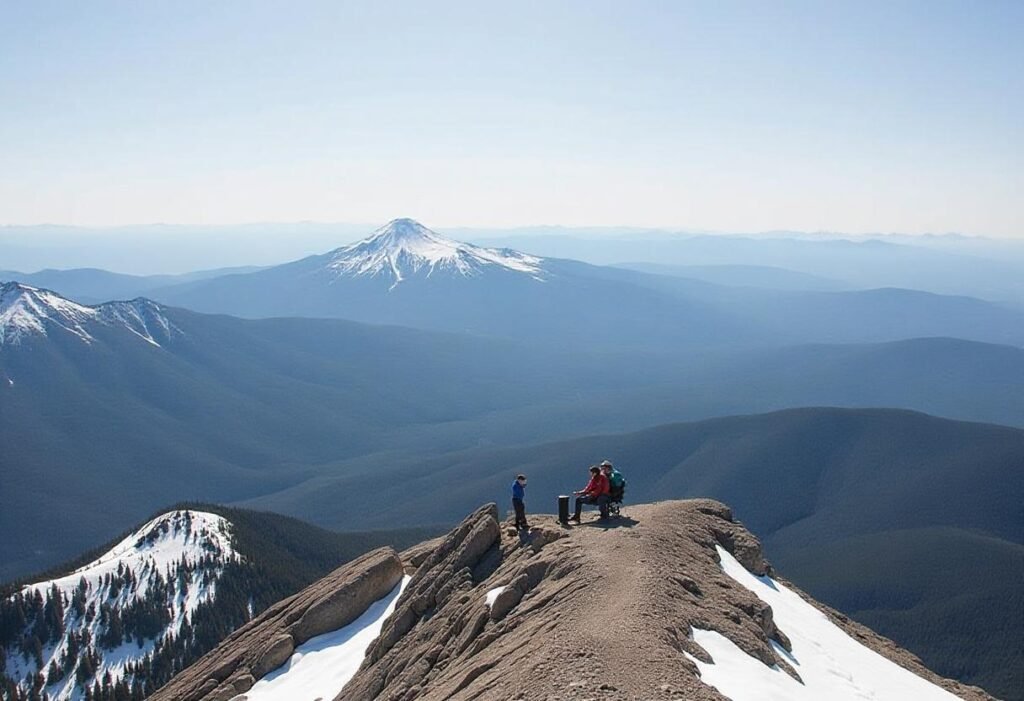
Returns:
point(121, 620)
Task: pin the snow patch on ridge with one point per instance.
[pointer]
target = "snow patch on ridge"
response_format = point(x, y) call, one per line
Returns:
point(492, 596)
point(831, 664)
point(321, 666)
point(404, 248)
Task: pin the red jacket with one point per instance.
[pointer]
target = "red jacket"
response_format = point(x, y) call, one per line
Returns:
point(598, 486)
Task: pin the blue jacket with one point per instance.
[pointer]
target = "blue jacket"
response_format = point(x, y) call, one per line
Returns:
point(518, 490)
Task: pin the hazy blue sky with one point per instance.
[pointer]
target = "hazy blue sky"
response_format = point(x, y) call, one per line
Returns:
point(889, 116)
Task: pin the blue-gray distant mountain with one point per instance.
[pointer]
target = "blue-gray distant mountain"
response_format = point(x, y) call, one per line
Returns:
point(763, 276)
point(140, 404)
point(985, 268)
point(151, 404)
point(406, 274)
point(27, 313)
point(92, 285)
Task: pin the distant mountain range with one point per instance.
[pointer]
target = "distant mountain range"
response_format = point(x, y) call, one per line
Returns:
point(94, 286)
point(149, 404)
point(100, 404)
point(408, 275)
point(989, 269)
point(401, 380)
point(359, 425)
point(27, 312)
point(761, 276)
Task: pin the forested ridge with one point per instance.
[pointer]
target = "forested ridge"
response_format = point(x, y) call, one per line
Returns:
point(127, 619)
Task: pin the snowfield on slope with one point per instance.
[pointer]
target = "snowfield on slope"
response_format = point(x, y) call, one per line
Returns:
point(160, 547)
point(321, 666)
point(831, 664)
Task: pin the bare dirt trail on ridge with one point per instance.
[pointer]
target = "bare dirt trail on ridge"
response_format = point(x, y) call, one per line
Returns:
point(615, 621)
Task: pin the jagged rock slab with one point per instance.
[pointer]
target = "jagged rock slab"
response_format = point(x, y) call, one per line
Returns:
point(267, 641)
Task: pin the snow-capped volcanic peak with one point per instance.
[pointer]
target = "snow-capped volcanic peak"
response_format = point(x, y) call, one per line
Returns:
point(115, 610)
point(26, 311)
point(404, 248)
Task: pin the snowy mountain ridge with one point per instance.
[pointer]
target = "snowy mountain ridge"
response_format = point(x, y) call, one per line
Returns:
point(404, 248)
point(88, 629)
point(27, 311)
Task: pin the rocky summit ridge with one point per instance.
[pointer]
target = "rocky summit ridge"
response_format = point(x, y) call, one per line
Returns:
point(593, 611)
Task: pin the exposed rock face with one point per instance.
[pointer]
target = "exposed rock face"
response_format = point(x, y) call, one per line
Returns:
point(267, 641)
point(588, 612)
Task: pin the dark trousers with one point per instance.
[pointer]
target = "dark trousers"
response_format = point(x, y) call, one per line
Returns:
point(601, 501)
point(520, 508)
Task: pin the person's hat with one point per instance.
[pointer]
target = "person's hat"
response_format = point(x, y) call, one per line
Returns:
point(606, 463)
point(595, 468)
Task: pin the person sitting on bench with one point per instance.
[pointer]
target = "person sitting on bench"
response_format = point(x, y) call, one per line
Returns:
point(616, 481)
point(596, 492)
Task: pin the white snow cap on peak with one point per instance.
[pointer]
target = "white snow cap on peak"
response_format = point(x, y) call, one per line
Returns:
point(27, 311)
point(404, 247)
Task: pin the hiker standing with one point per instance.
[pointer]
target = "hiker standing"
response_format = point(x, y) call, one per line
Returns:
point(518, 497)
